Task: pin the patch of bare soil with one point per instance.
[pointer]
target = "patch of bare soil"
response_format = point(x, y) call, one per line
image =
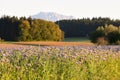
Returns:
point(57, 43)
point(3, 45)
point(21, 44)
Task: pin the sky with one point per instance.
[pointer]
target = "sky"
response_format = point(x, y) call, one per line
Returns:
point(76, 8)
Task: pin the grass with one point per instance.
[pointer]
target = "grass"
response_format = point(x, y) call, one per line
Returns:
point(66, 42)
point(59, 64)
point(76, 39)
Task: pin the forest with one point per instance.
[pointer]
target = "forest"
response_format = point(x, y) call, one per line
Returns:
point(83, 27)
point(28, 29)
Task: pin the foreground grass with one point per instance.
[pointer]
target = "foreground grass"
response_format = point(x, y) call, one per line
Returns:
point(59, 64)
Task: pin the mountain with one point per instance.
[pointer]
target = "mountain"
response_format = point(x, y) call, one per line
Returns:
point(51, 16)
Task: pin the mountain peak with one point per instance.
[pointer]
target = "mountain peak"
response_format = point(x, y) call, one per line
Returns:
point(51, 16)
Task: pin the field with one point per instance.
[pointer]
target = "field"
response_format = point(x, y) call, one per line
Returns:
point(59, 61)
point(81, 39)
point(66, 42)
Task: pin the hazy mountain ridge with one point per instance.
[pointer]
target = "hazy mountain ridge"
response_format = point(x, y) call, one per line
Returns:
point(51, 16)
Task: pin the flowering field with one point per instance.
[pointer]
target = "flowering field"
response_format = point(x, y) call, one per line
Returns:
point(60, 63)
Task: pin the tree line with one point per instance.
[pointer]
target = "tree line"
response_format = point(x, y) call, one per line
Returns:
point(28, 29)
point(83, 27)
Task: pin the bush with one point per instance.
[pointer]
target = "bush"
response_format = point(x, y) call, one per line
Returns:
point(1, 40)
point(108, 34)
point(95, 35)
point(113, 37)
point(102, 41)
point(118, 42)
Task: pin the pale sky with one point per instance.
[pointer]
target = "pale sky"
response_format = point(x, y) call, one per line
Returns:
point(76, 8)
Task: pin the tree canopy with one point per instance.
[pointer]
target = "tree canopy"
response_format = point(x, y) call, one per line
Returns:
point(28, 29)
point(83, 27)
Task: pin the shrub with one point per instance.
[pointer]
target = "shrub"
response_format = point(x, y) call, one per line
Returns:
point(108, 34)
point(1, 40)
point(102, 41)
point(113, 37)
point(95, 35)
point(118, 42)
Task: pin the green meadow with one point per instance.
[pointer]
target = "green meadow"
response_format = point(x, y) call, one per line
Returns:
point(76, 39)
